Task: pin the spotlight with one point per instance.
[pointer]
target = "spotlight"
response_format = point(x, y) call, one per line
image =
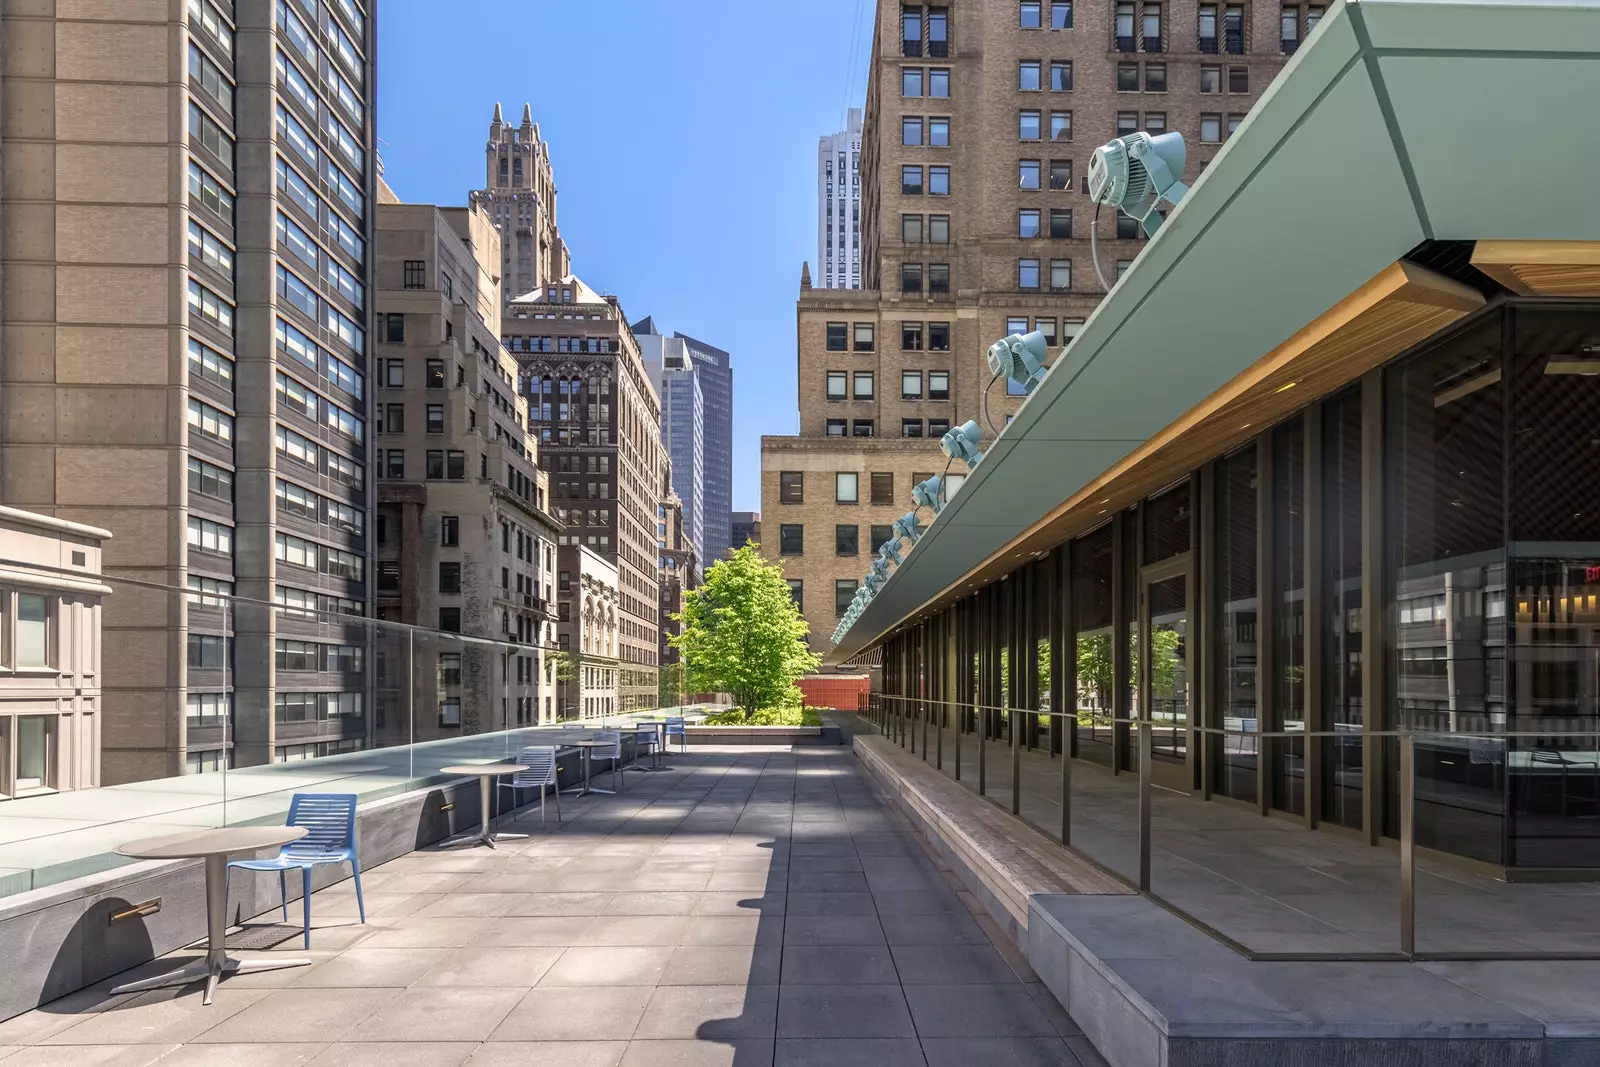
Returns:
point(962, 443)
point(908, 527)
point(1021, 358)
point(929, 493)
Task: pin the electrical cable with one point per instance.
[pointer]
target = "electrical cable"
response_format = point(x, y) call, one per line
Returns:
point(1094, 247)
point(986, 419)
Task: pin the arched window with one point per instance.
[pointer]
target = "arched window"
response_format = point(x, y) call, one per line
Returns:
point(516, 172)
point(502, 167)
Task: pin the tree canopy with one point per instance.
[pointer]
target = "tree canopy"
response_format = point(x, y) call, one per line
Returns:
point(742, 633)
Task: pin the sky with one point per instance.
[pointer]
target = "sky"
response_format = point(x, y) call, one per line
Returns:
point(683, 135)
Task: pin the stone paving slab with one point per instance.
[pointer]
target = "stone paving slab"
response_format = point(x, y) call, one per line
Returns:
point(750, 908)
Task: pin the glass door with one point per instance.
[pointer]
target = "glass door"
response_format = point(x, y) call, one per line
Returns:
point(1163, 670)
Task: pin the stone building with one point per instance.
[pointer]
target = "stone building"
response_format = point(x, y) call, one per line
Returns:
point(519, 194)
point(187, 218)
point(980, 121)
point(598, 420)
point(839, 206)
point(588, 600)
point(50, 638)
point(464, 541)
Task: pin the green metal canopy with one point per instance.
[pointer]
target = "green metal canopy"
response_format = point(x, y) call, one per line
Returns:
point(1398, 121)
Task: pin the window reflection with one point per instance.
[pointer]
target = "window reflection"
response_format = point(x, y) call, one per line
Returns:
point(1091, 594)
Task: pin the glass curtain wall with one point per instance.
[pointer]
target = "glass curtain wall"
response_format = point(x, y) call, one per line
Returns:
point(1342, 588)
point(1234, 754)
point(1091, 607)
point(1288, 524)
point(1167, 621)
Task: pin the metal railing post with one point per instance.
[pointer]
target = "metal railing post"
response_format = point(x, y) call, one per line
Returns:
point(1144, 805)
point(1408, 844)
point(1016, 760)
point(983, 765)
point(938, 737)
point(1066, 787)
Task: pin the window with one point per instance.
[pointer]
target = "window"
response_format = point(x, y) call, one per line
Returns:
point(938, 385)
point(1061, 222)
point(1061, 76)
point(210, 536)
point(836, 427)
point(392, 417)
point(1028, 14)
point(1155, 122)
point(1150, 27)
point(32, 640)
point(1155, 77)
point(939, 84)
point(861, 385)
point(837, 385)
point(911, 277)
point(1233, 29)
point(1060, 275)
point(1016, 325)
point(1238, 79)
point(449, 530)
point(939, 133)
point(910, 385)
point(1211, 79)
point(1028, 75)
point(208, 421)
point(394, 464)
point(910, 427)
point(862, 428)
point(209, 193)
point(450, 577)
point(435, 374)
point(864, 337)
point(1047, 327)
point(204, 130)
point(1233, 124)
point(204, 305)
point(844, 589)
point(847, 540)
point(1061, 125)
point(938, 32)
point(939, 229)
point(205, 247)
point(450, 620)
point(1122, 266)
point(1127, 228)
point(791, 539)
point(395, 373)
point(435, 464)
point(1061, 15)
point(911, 81)
point(1124, 28)
point(883, 487)
point(208, 363)
point(791, 487)
point(1028, 174)
point(455, 465)
point(1127, 77)
point(911, 32)
point(1027, 274)
point(1206, 28)
point(938, 337)
point(1289, 32)
point(911, 229)
point(938, 427)
point(837, 333)
point(938, 277)
point(911, 130)
point(1028, 125)
point(911, 336)
point(911, 181)
point(394, 329)
point(1210, 129)
point(881, 535)
point(938, 181)
point(205, 709)
point(416, 274)
point(207, 479)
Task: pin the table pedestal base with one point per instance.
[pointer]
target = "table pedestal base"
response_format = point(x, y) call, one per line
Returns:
point(211, 971)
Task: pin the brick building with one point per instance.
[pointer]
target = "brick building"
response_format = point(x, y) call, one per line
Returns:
point(980, 121)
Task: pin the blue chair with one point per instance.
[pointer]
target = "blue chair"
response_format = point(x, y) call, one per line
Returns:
point(330, 822)
point(675, 728)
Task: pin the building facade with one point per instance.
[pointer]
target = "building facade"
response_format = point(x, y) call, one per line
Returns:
point(50, 702)
point(598, 420)
point(464, 543)
point(683, 422)
point(746, 527)
point(187, 209)
point(839, 206)
point(980, 121)
point(588, 599)
point(519, 194)
point(714, 370)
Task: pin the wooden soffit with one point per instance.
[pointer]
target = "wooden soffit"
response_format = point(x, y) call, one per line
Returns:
point(1542, 268)
point(1402, 306)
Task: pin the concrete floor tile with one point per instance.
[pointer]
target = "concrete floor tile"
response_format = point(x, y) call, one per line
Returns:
point(832, 930)
point(838, 965)
point(723, 965)
point(276, 1055)
point(745, 1053)
point(130, 1055)
point(731, 930)
point(998, 1052)
point(940, 928)
point(441, 1013)
point(298, 1015)
point(804, 880)
point(453, 905)
point(559, 1053)
point(710, 1013)
point(859, 903)
point(365, 968)
point(843, 1011)
point(539, 931)
point(161, 1016)
point(575, 1014)
point(642, 903)
point(395, 1054)
point(725, 903)
point(976, 1011)
point(417, 932)
point(952, 965)
point(851, 1052)
point(490, 966)
point(608, 966)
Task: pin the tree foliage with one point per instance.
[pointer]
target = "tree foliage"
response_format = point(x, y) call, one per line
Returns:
point(742, 633)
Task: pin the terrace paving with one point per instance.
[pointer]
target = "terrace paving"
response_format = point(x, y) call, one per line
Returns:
point(745, 908)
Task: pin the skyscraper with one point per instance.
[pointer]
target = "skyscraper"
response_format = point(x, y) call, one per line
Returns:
point(519, 194)
point(980, 120)
point(714, 369)
point(677, 377)
point(839, 206)
point(187, 209)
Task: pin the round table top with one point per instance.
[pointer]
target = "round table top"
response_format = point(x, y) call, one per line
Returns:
point(221, 840)
point(487, 770)
point(590, 742)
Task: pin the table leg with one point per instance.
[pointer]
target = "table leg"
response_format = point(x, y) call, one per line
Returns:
point(483, 806)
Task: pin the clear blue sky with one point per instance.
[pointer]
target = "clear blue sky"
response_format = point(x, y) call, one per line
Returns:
point(683, 135)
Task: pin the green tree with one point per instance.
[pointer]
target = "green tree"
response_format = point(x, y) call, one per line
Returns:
point(742, 633)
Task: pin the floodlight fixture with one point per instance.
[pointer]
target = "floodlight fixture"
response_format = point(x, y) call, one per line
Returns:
point(908, 527)
point(929, 493)
point(962, 443)
point(1021, 358)
point(1135, 173)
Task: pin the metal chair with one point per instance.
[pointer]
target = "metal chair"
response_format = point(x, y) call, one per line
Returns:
point(540, 764)
point(647, 740)
point(675, 728)
point(612, 751)
point(330, 822)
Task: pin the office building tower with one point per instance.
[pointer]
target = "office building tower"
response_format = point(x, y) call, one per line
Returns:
point(714, 369)
point(839, 206)
point(519, 194)
point(980, 120)
point(746, 527)
point(676, 376)
point(187, 208)
point(464, 543)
